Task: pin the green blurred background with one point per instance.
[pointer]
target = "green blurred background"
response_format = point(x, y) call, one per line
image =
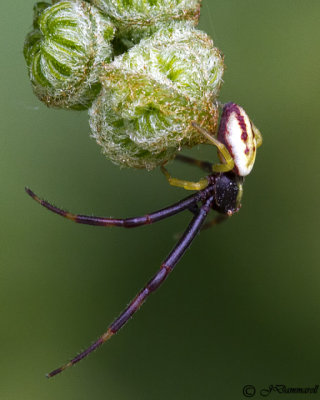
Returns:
point(242, 306)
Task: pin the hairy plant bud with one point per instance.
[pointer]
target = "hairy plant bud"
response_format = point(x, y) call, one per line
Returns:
point(137, 19)
point(142, 117)
point(65, 51)
point(141, 13)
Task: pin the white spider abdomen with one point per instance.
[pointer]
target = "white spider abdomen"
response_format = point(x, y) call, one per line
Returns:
point(236, 132)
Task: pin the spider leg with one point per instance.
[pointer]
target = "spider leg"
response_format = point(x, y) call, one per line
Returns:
point(215, 221)
point(229, 162)
point(133, 222)
point(166, 267)
point(194, 209)
point(201, 184)
point(205, 165)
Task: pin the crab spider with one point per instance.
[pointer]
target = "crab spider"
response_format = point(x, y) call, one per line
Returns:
point(237, 141)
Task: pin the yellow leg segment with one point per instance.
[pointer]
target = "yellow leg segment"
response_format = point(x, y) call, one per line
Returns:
point(203, 183)
point(228, 165)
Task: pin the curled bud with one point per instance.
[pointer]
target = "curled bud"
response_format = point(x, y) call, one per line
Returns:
point(142, 117)
point(137, 18)
point(65, 52)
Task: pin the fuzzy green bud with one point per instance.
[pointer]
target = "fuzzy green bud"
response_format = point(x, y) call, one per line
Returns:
point(142, 117)
point(65, 51)
point(136, 19)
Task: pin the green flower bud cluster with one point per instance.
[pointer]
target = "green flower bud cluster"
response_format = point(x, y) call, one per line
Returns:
point(140, 66)
point(65, 52)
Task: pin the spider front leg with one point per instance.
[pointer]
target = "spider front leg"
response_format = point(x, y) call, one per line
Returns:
point(201, 184)
point(187, 203)
point(229, 161)
point(166, 267)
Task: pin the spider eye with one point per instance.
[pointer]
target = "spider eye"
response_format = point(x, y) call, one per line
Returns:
point(236, 133)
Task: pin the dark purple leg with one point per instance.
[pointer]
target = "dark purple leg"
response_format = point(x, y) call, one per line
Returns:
point(166, 267)
point(182, 205)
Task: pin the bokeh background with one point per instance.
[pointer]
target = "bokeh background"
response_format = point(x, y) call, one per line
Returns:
point(243, 305)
